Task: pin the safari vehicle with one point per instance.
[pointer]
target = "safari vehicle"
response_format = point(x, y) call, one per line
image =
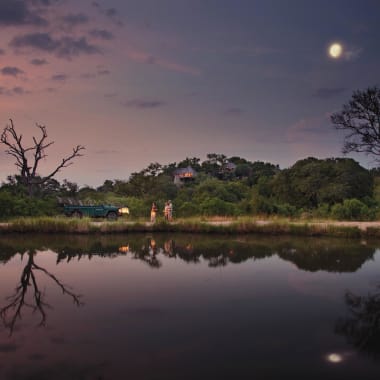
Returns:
point(77, 209)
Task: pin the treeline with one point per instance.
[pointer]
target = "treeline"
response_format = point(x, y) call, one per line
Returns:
point(336, 188)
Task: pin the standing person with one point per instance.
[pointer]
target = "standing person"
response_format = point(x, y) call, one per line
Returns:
point(166, 211)
point(153, 212)
point(170, 211)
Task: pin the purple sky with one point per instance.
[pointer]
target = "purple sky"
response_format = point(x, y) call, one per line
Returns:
point(158, 80)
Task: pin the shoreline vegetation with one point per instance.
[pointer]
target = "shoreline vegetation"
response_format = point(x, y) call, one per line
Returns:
point(217, 225)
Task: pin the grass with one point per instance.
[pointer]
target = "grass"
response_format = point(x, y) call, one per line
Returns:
point(241, 225)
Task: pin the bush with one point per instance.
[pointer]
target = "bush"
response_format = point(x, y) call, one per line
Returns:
point(323, 211)
point(352, 209)
point(286, 210)
point(262, 205)
point(215, 206)
point(187, 209)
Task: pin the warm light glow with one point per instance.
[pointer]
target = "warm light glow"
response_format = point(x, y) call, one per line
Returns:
point(334, 358)
point(335, 50)
point(124, 249)
point(124, 210)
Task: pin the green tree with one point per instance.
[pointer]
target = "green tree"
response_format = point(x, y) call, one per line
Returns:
point(311, 182)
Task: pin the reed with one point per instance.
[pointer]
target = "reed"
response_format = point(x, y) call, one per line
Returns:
point(190, 225)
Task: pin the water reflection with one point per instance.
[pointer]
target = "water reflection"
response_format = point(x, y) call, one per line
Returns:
point(362, 326)
point(156, 307)
point(27, 294)
point(331, 255)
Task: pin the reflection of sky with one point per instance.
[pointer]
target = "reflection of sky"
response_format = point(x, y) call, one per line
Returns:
point(122, 77)
point(258, 317)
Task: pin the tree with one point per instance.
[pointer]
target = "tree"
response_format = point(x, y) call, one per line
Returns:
point(311, 182)
point(360, 118)
point(12, 311)
point(362, 327)
point(29, 158)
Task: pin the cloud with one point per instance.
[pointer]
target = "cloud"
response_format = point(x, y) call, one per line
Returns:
point(59, 77)
point(11, 71)
point(143, 104)
point(19, 90)
point(19, 12)
point(104, 72)
point(2, 51)
point(329, 92)
point(101, 71)
point(111, 13)
point(88, 75)
point(64, 47)
point(38, 61)
point(149, 59)
point(45, 3)
point(101, 34)
point(13, 91)
point(74, 19)
point(351, 53)
point(234, 111)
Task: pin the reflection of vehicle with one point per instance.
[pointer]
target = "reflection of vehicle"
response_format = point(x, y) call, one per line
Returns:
point(95, 211)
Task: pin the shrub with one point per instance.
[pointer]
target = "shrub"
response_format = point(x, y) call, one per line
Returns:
point(215, 206)
point(352, 209)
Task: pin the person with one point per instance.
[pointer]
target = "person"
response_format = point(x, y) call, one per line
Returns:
point(153, 212)
point(166, 211)
point(170, 211)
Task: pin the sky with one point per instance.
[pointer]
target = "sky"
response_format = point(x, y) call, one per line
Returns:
point(141, 81)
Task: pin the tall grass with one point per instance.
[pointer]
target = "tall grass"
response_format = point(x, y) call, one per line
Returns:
point(189, 225)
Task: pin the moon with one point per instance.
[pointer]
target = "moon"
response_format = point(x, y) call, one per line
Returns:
point(334, 358)
point(335, 50)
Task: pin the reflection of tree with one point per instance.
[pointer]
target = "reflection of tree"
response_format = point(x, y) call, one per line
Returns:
point(335, 256)
point(311, 254)
point(362, 327)
point(16, 302)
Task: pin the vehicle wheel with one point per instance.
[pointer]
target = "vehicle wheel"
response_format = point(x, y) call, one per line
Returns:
point(112, 215)
point(77, 214)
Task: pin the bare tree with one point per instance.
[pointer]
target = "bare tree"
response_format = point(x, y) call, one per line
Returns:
point(12, 312)
point(29, 158)
point(362, 326)
point(360, 118)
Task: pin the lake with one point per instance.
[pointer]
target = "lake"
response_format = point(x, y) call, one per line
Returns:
point(143, 306)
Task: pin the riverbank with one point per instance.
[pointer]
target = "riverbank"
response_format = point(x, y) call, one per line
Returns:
point(351, 229)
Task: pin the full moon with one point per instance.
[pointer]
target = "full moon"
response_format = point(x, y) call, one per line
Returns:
point(334, 358)
point(335, 50)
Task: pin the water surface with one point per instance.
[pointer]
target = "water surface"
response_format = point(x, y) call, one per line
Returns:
point(188, 307)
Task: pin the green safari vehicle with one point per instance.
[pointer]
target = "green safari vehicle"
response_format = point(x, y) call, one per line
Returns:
point(94, 211)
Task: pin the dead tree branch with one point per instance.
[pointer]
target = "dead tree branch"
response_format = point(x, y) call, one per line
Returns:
point(28, 158)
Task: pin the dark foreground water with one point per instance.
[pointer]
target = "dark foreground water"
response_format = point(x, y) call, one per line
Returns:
point(188, 307)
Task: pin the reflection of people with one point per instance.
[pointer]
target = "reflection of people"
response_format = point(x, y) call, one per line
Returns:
point(153, 212)
point(170, 211)
point(153, 246)
point(169, 247)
